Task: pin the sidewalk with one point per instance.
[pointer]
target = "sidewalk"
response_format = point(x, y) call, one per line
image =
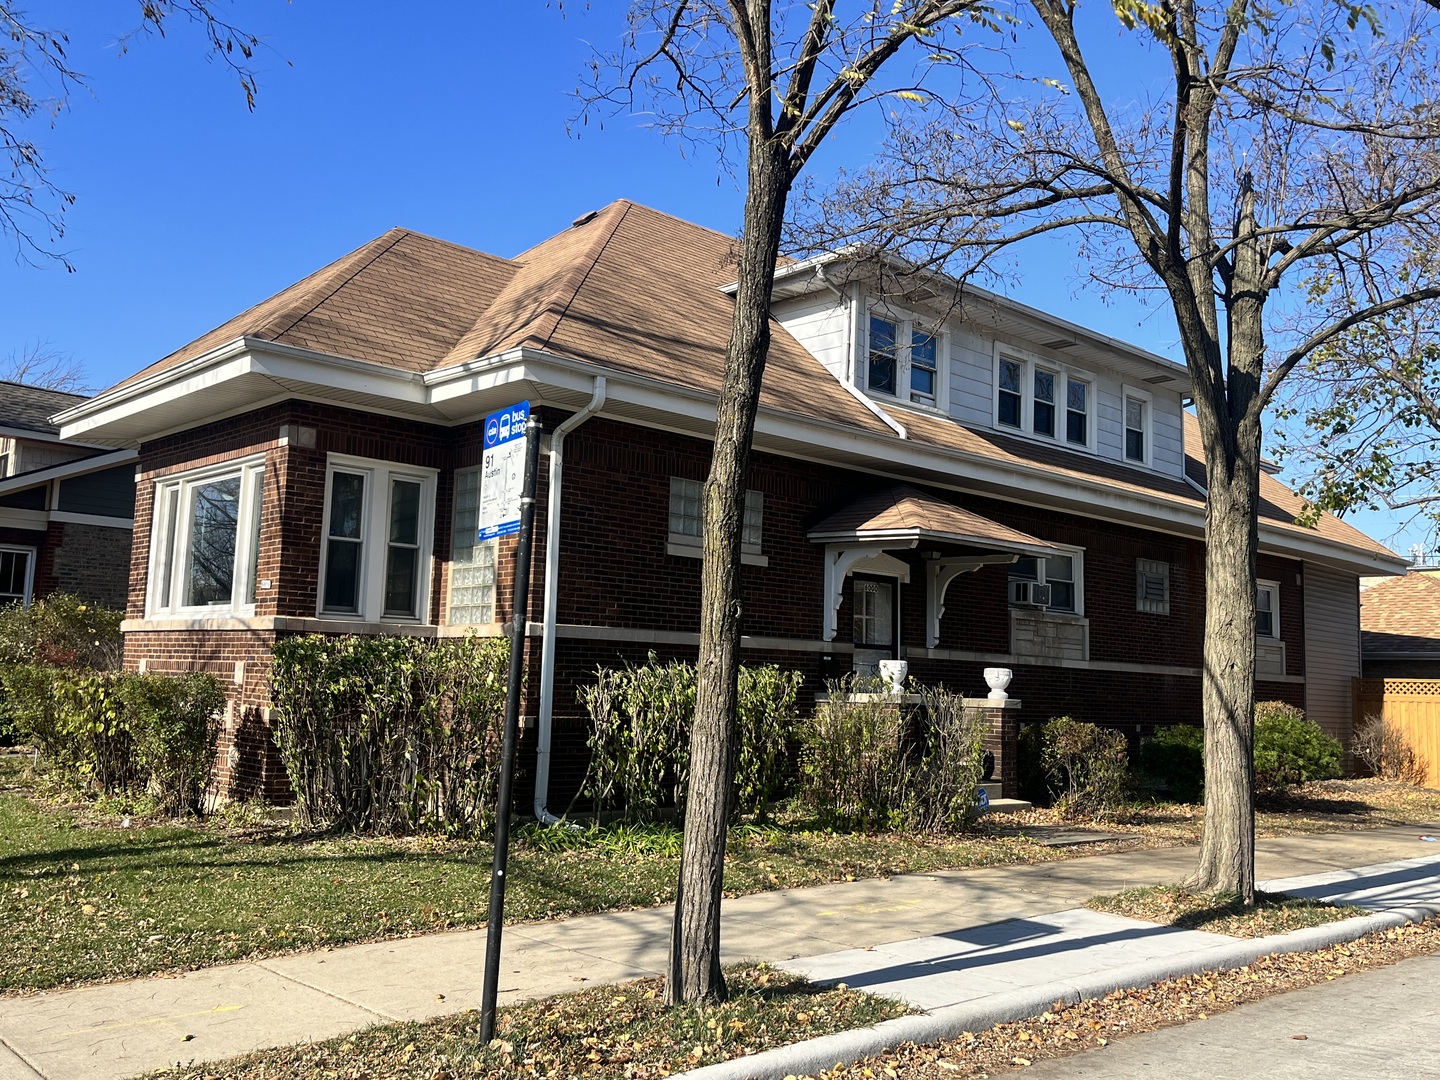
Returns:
point(935, 939)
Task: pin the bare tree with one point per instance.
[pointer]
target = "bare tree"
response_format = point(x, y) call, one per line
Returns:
point(47, 367)
point(32, 206)
point(777, 79)
point(1368, 403)
point(1275, 142)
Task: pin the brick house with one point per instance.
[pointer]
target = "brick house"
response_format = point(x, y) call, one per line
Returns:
point(949, 478)
point(66, 507)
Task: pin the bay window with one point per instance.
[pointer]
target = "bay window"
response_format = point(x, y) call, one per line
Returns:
point(377, 540)
point(205, 540)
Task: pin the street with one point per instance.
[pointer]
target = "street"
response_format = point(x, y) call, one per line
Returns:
point(1378, 1024)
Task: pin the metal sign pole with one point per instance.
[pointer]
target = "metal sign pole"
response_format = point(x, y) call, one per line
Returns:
point(494, 924)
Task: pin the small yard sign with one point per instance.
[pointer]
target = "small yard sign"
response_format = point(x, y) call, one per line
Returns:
point(502, 471)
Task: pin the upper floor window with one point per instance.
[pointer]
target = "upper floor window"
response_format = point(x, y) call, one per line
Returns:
point(375, 558)
point(472, 560)
point(1053, 583)
point(687, 520)
point(205, 540)
point(1137, 427)
point(1267, 609)
point(17, 569)
point(903, 360)
point(1045, 401)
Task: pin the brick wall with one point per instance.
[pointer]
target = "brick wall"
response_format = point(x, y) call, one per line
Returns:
point(92, 561)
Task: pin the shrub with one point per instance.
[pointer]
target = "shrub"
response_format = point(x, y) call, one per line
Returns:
point(946, 764)
point(852, 763)
point(391, 734)
point(1385, 750)
point(61, 630)
point(1174, 756)
point(1083, 766)
point(174, 725)
point(121, 734)
point(1289, 749)
point(640, 722)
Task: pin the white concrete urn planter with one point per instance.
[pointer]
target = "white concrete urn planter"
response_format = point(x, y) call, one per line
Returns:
point(998, 678)
point(892, 675)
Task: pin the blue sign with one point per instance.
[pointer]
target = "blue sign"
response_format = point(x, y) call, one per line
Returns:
point(502, 471)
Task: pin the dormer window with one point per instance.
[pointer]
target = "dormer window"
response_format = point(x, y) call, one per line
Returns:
point(903, 360)
point(1047, 401)
point(1138, 424)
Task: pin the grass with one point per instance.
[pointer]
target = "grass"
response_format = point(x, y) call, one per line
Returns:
point(1221, 913)
point(622, 1032)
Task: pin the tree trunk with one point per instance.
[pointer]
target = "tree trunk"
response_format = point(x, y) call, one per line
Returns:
point(694, 973)
point(1227, 841)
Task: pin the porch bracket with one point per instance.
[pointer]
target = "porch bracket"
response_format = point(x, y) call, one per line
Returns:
point(942, 573)
point(839, 558)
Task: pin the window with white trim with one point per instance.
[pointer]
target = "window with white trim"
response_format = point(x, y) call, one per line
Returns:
point(1267, 609)
point(903, 359)
point(1137, 428)
point(1152, 586)
point(1060, 573)
point(1044, 400)
point(377, 540)
point(205, 540)
point(17, 573)
point(472, 560)
point(687, 518)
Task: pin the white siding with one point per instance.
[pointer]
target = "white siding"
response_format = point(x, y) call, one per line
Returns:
point(821, 323)
point(972, 369)
point(1169, 445)
point(1332, 648)
point(1109, 417)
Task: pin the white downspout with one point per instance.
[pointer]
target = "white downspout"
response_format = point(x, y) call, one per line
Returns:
point(552, 571)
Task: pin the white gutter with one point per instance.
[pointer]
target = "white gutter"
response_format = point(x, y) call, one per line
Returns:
point(552, 596)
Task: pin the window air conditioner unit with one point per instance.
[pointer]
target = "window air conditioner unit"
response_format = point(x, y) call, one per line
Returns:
point(1029, 594)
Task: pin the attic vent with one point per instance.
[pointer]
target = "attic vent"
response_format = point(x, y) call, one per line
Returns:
point(1156, 380)
point(1058, 343)
point(583, 218)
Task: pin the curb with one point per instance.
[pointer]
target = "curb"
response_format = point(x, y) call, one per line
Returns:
point(846, 1047)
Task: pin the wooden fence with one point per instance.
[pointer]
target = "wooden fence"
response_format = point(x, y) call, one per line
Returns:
point(1413, 705)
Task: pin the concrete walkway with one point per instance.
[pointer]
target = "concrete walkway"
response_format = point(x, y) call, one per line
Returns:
point(122, 1029)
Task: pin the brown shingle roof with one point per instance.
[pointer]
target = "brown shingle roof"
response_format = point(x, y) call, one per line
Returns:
point(1401, 616)
point(400, 300)
point(30, 407)
point(905, 509)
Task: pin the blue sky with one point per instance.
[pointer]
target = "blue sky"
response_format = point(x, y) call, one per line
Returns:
point(450, 119)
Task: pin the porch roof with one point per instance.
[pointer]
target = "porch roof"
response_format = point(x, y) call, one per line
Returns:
point(906, 515)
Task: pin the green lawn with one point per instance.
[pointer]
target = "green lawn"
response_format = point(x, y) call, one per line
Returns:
point(81, 902)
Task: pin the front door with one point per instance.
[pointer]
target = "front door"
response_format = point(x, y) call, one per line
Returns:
point(876, 623)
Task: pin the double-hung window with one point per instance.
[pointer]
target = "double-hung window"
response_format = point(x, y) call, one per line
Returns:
point(17, 574)
point(1267, 609)
point(1044, 400)
point(1060, 573)
point(903, 359)
point(1137, 426)
point(205, 540)
point(377, 540)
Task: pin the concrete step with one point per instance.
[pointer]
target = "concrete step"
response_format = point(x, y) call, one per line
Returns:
point(1008, 806)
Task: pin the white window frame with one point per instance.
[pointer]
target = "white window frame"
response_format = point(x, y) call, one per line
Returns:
point(1148, 399)
point(1077, 566)
point(375, 540)
point(907, 325)
point(692, 546)
point(1147, 568)
point(1029, 362)
point(28, 589)
point(1273, 588)
point(170, 538)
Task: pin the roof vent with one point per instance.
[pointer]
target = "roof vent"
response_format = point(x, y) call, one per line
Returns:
point(583, 218)
point(1156, 380)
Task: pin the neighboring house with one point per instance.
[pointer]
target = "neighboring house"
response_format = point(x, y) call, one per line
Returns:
point(66, 508)
point(1400, 627)
point(958, 480)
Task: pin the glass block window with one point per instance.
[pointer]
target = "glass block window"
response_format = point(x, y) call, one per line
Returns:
point(472, 562)
point(687, 516)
